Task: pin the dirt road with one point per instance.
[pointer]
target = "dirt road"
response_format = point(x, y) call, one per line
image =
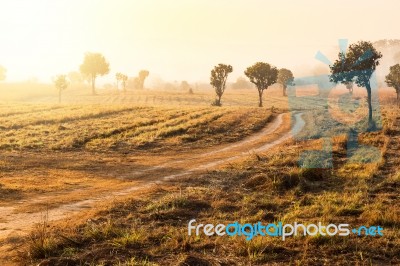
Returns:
point(14, 223)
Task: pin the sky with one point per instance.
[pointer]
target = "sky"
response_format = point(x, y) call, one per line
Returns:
point(182, 39)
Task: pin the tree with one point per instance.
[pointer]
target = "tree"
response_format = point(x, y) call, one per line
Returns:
point(242, 83)
point(143, 74)
point(94, 64)
point(75, 77)
point(393, 79)
point(124, 79)
point(184, 85)
point(349, 86)
point(357, 65)
point(61, 84)
point(285, 78)
point(396, 56)
point(262, 75)
point(218, 78)
point(3, 72)
point(118, 77)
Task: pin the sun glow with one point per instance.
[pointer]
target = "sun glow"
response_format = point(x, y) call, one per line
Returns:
point(178, 39)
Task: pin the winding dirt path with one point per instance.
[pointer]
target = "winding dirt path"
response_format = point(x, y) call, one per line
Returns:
point(14, 224)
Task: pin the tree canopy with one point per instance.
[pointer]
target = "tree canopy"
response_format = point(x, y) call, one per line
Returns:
point(124, 79)
point(219, 75)
point(61, 83)
point(357, 65)
point(393, 79)
point(118, 77)
point(75, 77)
point(143, 74)
point(285, 78)
point(262, 75)
point(94, 64)
point(242, 83)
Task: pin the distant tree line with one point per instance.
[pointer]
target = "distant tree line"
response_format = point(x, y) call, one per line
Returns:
point(355, 66)
point(261, 74)
point(352, 67)
point(93, 66)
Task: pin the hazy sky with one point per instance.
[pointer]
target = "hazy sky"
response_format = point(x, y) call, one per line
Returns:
point(182, 39)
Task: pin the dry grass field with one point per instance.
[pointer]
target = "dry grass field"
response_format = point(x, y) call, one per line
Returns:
point(199, 133)
point(116, 183)
point(69, 146)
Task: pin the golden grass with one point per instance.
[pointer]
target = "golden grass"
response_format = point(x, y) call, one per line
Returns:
point(53, 155)
point(268, 187)
point(59, 148)
point(114, 127)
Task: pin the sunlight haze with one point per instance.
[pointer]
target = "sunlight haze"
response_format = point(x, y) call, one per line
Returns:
point(181, 40)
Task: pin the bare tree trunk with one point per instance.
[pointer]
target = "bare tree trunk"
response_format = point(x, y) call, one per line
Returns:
point(93, 85)
point(59, 96)
point(260, 103)
point(398, 96)
point(284, 90)
point(368, 86)
point(141, 84)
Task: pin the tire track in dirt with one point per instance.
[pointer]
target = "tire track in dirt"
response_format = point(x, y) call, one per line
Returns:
point(14, 225)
